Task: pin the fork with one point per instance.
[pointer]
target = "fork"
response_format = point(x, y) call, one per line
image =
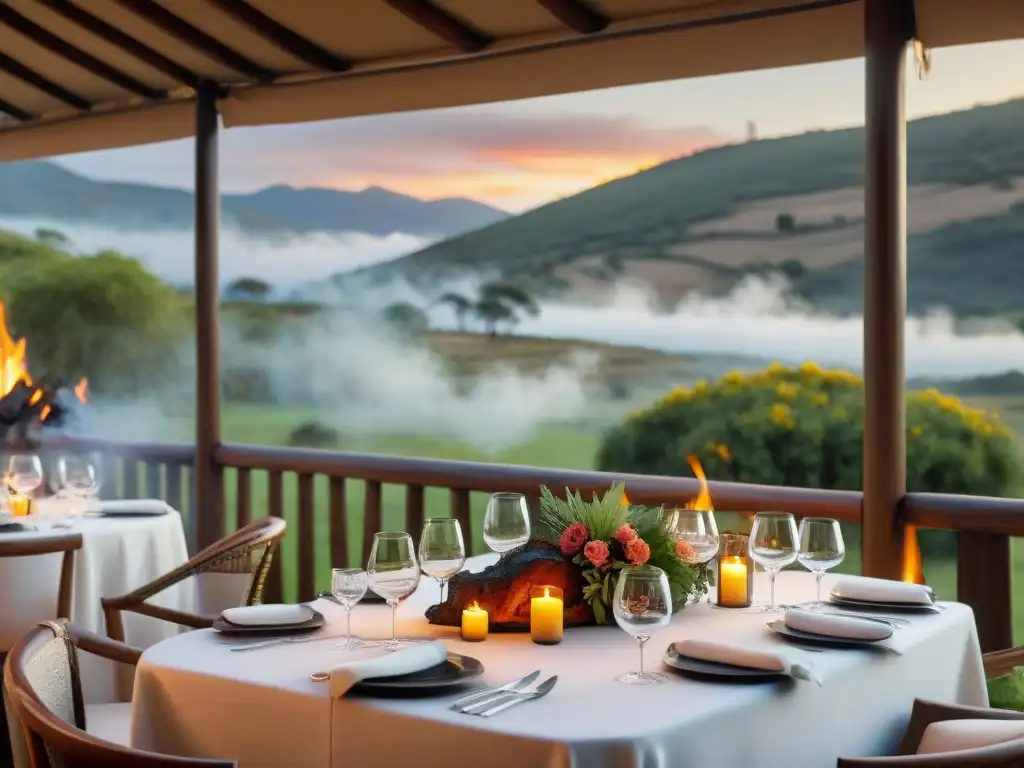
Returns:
point(282, 641)
point(542, 690)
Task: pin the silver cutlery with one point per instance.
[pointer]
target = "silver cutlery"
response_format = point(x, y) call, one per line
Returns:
point(479, 696)
point(477, 707)
point(283, 641)
point(542, 690)
point(892, 621)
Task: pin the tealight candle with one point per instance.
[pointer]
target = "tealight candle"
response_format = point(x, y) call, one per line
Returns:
point(546, 615)
point(474, 624)
point(735, 575)
point(19, 505)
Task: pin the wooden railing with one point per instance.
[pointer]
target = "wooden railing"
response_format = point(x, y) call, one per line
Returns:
point(313, 489)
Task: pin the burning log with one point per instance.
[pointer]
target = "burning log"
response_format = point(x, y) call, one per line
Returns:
point(503, 590)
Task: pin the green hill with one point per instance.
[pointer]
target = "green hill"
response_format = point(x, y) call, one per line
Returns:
point(792, 205)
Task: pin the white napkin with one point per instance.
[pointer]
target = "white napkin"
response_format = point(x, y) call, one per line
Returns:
point(404, 662)
point(847, 627)
point(881, 590)
point(267, 614)
point(130, 507)
point(745, 656)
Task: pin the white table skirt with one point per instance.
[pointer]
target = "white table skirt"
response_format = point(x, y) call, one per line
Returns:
point(193, 697)
point(118, 554)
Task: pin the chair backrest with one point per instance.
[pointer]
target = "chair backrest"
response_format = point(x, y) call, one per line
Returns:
point(1009, 754)
point(42, 685)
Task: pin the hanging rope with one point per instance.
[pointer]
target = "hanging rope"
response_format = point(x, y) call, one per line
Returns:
point(922, 56)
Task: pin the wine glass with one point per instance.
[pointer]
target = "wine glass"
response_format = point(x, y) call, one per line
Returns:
point(442, 550)
point(348, 585)
point(24, 473)
point(642, 605)
point(773, 545)
point(393, 572)
point(698, 529)
point(77, 477)
point(821, 548)
point(506, 522)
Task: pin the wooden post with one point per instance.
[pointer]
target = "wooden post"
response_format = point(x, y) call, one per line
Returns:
point(887, 28)
point(209, 479)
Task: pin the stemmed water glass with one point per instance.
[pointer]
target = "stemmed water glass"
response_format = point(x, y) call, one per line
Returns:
point(24, 473)
point(348, 585)
point(773, 545)
point(506, 522)
point(698, 529)
point(78, 477)
point(642, 605)
point(821, 548)
point(393, 572)
point(442, 550)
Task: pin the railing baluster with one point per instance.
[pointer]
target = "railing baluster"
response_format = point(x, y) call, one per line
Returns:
point(273, 592)
point(460, 511)
point(173, 496)
point(153, 478)
point(983, 581)
point(108, 471)
point(371, 515)
point(414, 511)
point(243, 497)
point(338, 522)
point(130, 478)
point(307, 538)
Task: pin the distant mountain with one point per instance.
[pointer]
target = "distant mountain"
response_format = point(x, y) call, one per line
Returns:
point(48, 190)
point(791, 205)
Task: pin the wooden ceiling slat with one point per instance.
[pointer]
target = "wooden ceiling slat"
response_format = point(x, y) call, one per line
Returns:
point(16, 112)
point(177, 27)
point(283, 37)
point(43, 37)
point(17, 69)
point(577, 15)
point(119, 39)
point(442, 24)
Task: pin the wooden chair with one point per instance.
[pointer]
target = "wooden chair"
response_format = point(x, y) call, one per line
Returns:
point(44, 691)
point(38, 546)
point(236, 554)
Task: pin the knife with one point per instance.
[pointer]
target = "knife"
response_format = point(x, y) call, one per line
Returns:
point(542, 690)
point(473, 699)
point(480, 705)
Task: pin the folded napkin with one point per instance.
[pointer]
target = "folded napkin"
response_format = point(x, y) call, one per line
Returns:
point(744, 656)
point(846, 627)
point(404, 662)
point(130, 507)
point(267, 614)
point(881, 590)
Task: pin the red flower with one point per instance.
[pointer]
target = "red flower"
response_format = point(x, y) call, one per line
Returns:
point(573, 538)
point(637, 551)
point(597, 553)
point(685, 552)
point(625, 534)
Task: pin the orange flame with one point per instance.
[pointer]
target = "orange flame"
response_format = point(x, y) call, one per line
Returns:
point(703, 499)
point(913, 567)
point(82, 390)
point(14, 369)
point(625, 499)
point(44, 413)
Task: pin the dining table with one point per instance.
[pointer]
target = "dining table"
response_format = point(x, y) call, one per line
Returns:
point(120, 552)
point(195, 696)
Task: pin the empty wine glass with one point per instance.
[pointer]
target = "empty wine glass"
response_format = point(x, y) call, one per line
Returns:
point(698, 529)
point(24, 473)
point(773, 545)
point(642, 605)
point(506, 522)
point(348, 585)
point(442, 550)
point(78, 478)
point(393, 572)
point(821, 548)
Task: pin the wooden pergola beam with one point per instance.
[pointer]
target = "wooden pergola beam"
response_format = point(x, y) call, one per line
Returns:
point(118, 39)
point(16, 112)
point(194, 37)
point(444, 25)
point(283, 37)
point(16, 69)
point(576, 15)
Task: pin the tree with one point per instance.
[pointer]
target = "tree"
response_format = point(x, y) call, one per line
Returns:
point(785, 223)
point(52, 237)
point(248, 288)
point(502, 303)
point(406, 318)
point(492, 312)
point(462, 307)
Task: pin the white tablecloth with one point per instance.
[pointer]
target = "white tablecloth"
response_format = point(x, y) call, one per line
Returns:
point(194, 697)
point(118, 554)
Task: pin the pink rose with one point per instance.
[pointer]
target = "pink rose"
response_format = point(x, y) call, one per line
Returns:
point(573, 538)
point(625, 534)
point(597, 553)
point(637, 551)
point(685, 552)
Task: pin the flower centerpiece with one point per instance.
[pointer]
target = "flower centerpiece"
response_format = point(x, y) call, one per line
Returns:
point(606, 534)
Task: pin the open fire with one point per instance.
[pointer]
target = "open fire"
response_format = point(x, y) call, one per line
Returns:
point(24, 402)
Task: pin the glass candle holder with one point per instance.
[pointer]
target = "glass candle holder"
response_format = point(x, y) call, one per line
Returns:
point(20, 505)
point(735, 571)
point(474, 624)
point(546, 608)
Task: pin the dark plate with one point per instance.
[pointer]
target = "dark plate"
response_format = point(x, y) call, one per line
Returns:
point(140, 513)
point(875, 606)
point(457, 670)
point(711, 670)
point(779, 627)
point(226, 627)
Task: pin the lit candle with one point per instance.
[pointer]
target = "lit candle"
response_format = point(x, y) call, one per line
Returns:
point(732, 582)
point(20, 505)
point(474, 624)
point(546, 615)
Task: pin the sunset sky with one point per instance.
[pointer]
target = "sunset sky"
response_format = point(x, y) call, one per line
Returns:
point(518, 155)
